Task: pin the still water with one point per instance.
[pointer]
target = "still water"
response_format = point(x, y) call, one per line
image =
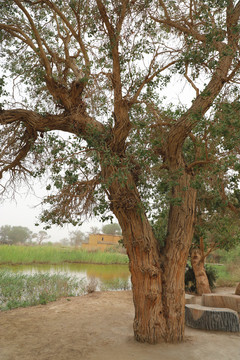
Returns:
point(109, 277)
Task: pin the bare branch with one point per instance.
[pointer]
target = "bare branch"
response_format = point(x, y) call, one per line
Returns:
point(38, 38)
point(147, 80)
point(190, 81)
point(230, 205)
point(16, 32)
point(29, 137)
point(114, 42)
point(72, 200)
point(199, 163)
point(183, 28)
point(73, 32)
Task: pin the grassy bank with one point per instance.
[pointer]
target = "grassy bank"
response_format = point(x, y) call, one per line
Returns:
point(228, 268)
point(56, 255)
point(227, 274)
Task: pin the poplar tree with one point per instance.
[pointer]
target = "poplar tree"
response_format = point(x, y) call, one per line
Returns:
point(95, 70)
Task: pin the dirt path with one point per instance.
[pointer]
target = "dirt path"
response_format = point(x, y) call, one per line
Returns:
point(99, 327)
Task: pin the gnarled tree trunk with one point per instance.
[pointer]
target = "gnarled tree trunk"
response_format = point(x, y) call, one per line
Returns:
point(157, 274)
point(197, 261)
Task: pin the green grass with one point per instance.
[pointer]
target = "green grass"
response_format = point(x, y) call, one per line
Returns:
point(228, 270)
point(21, 290)
point(55, 255)
point(227, 274)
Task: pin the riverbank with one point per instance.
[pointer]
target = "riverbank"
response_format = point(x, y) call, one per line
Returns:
point(16, 255)
point(98, 326)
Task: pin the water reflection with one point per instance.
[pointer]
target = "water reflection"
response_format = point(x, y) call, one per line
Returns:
point(109, 277)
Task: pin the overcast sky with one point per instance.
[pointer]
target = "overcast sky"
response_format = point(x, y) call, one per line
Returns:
point(25, 210)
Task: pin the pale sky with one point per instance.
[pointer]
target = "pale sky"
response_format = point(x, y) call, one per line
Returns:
point(24, 212)
point(26, 208)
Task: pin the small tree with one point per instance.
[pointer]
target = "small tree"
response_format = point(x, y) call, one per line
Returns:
point(220, 231)
point(41, 236)
point(64, 241)
point(15, 234)
point(113, 229)
point(77, 238)
point(94, 230)
point(4, 234)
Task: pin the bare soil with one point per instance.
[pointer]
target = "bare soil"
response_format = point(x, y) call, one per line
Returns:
point(98, 326)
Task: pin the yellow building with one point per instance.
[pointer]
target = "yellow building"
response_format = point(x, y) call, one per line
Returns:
point(101, 241)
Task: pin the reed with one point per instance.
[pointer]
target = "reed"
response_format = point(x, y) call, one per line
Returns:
point(21, 290)
point(55, 255)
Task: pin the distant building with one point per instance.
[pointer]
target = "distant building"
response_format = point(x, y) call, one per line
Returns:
point(101, 241)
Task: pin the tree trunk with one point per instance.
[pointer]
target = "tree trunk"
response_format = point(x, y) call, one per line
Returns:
point(157, 274)
point(202, 283)
point(175, 253)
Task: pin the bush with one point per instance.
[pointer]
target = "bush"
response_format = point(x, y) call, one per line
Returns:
point(190, 280)
point(92, 285)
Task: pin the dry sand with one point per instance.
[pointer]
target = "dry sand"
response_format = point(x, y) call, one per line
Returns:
point(99, 327)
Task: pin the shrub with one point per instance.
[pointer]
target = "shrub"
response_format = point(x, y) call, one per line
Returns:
point(92, 285)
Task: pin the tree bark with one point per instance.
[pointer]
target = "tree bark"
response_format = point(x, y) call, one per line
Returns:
point(157, 274)
point(202, 283)
point(175, 253)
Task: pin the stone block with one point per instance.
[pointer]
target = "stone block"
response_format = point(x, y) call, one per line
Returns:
point(237, 292)
point(190, 299)
point(207, 318)
point(222, 301)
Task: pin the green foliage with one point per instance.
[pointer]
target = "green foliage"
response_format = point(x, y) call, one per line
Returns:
point(212, 275)
point(159, 225)
point(228, 257)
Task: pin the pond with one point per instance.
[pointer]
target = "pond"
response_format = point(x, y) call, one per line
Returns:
point(103, 277)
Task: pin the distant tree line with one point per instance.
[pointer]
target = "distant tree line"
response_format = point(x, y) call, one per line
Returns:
point(13, 235)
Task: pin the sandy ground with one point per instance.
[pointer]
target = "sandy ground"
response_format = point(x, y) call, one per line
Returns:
point(99, 327)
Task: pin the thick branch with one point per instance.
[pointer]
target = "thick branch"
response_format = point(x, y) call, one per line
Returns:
point(199, 163)
point(75, 123)
point(190, 81)
point(183, 28)
point(20, 34)
point(114, 40)
point(230, 205)
point(201, 104)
